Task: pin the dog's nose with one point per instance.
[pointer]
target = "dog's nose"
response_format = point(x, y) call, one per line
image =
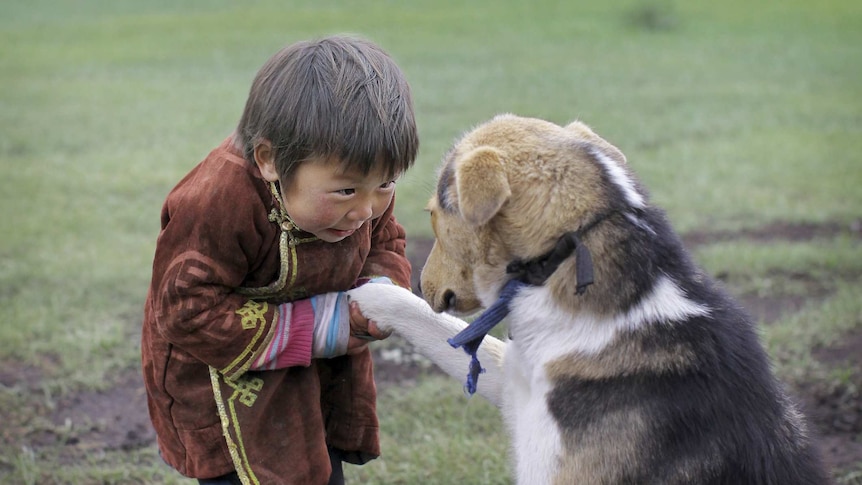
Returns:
point(448, 300)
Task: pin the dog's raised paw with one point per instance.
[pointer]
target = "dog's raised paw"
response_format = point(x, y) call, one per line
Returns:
point(387, 305)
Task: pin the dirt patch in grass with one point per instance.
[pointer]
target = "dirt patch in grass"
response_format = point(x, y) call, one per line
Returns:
point(777, 231)
point(113, 419)
point(116, 418)
point(835, 407)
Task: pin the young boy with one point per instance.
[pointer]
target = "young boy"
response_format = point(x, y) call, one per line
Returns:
point(256, 370)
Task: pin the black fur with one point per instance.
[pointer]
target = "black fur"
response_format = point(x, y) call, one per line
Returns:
point(445, 180)
point(721, 419)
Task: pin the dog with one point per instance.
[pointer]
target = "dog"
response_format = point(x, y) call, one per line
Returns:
point(625, 362)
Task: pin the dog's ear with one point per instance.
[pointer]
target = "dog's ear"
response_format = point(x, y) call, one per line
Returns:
point(482, 185)
point(583, 131)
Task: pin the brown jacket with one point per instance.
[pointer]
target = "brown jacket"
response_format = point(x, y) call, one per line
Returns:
point(222, 264)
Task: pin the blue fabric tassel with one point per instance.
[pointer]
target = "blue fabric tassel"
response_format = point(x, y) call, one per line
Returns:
point(471, 337)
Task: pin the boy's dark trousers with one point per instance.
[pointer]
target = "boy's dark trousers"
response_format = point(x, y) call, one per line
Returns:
point(337, 477)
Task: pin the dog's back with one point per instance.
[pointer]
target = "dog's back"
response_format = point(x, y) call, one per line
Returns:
point(678, 402)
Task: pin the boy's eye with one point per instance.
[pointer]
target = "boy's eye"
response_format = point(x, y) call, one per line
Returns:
point(387, 185)
point(346, 191)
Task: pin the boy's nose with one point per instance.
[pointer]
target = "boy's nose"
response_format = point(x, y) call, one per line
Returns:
point(362, 211)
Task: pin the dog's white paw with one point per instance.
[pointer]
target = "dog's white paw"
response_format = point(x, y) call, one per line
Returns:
point(391, 307)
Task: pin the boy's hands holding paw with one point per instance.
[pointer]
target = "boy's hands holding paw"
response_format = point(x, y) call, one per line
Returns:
point(363, 330)
point(387, 307)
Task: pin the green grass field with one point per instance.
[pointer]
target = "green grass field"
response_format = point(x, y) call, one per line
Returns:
point(735, 114)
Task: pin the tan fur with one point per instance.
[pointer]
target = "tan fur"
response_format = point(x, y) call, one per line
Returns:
point(482, 185)
point(528, 222)
point(583, 131)
point(612, 439)
point(623, 357)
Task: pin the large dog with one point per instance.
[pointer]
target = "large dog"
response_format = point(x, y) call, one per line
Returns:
point(651, 374)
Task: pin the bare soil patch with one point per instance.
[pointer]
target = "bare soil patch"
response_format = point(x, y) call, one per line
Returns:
point(777, 231)
point(835, 410)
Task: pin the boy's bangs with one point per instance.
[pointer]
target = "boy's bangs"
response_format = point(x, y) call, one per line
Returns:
point(371, 148)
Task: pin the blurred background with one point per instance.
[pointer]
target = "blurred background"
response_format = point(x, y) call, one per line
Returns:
point(744, 120)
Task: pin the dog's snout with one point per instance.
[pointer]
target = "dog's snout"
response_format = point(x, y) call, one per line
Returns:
point(448, 300)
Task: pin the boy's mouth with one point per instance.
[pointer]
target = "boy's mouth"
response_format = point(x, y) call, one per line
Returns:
point(342, 233)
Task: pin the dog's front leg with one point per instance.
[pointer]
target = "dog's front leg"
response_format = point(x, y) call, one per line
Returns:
point(398, 310)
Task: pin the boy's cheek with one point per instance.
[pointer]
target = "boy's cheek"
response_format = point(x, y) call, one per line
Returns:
point(381, 208)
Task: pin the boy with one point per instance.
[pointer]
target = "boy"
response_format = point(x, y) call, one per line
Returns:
point(253, 372)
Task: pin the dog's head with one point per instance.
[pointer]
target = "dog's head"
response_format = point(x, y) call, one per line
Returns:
point(508, 190)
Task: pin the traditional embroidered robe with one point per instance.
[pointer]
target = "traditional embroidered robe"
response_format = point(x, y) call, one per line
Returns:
point(223, 262)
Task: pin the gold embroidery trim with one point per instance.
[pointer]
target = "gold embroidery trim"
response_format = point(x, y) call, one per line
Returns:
point(286, 251)
point(236, 450)
point(252, 313)
point(235, 365)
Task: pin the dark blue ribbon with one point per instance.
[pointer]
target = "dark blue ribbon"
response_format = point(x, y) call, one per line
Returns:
point(532, 272)
point(471, 337)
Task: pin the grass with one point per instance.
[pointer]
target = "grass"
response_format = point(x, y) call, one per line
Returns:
point(455, 441)
point(767, 269)
point(107, 468)
point(735, 114)
point(791, 340)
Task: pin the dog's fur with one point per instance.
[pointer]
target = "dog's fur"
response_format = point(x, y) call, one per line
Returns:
point(653, 375)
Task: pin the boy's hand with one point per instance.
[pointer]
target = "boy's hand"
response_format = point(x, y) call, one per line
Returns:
point(362, 331)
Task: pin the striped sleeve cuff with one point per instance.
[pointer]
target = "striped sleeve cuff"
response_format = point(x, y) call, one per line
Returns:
point(291, 343)
point(331, 325)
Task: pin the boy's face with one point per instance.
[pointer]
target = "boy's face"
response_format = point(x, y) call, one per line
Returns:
point(328, 202)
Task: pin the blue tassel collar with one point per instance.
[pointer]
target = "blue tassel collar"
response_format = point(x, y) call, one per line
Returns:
point(533, 272)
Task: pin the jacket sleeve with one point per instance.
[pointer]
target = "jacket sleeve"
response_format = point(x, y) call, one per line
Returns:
point(316, 327)
point(387, 256)
point(211, 239)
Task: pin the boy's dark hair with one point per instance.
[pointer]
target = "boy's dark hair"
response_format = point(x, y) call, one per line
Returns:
point(336, 96)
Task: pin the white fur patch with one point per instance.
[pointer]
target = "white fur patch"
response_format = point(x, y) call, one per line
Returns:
point(544, 332)
point(640, 223)
point(622, 179)
point(534, 432)
point(666, 303)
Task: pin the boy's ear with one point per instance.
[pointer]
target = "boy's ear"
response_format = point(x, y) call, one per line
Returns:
point(482, 185)
point(264, 157)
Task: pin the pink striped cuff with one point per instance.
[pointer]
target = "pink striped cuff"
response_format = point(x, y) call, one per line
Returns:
point(292, 339)
point(298, 349)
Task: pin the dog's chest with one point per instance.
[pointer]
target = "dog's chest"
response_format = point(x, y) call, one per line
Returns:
point(534, 432)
